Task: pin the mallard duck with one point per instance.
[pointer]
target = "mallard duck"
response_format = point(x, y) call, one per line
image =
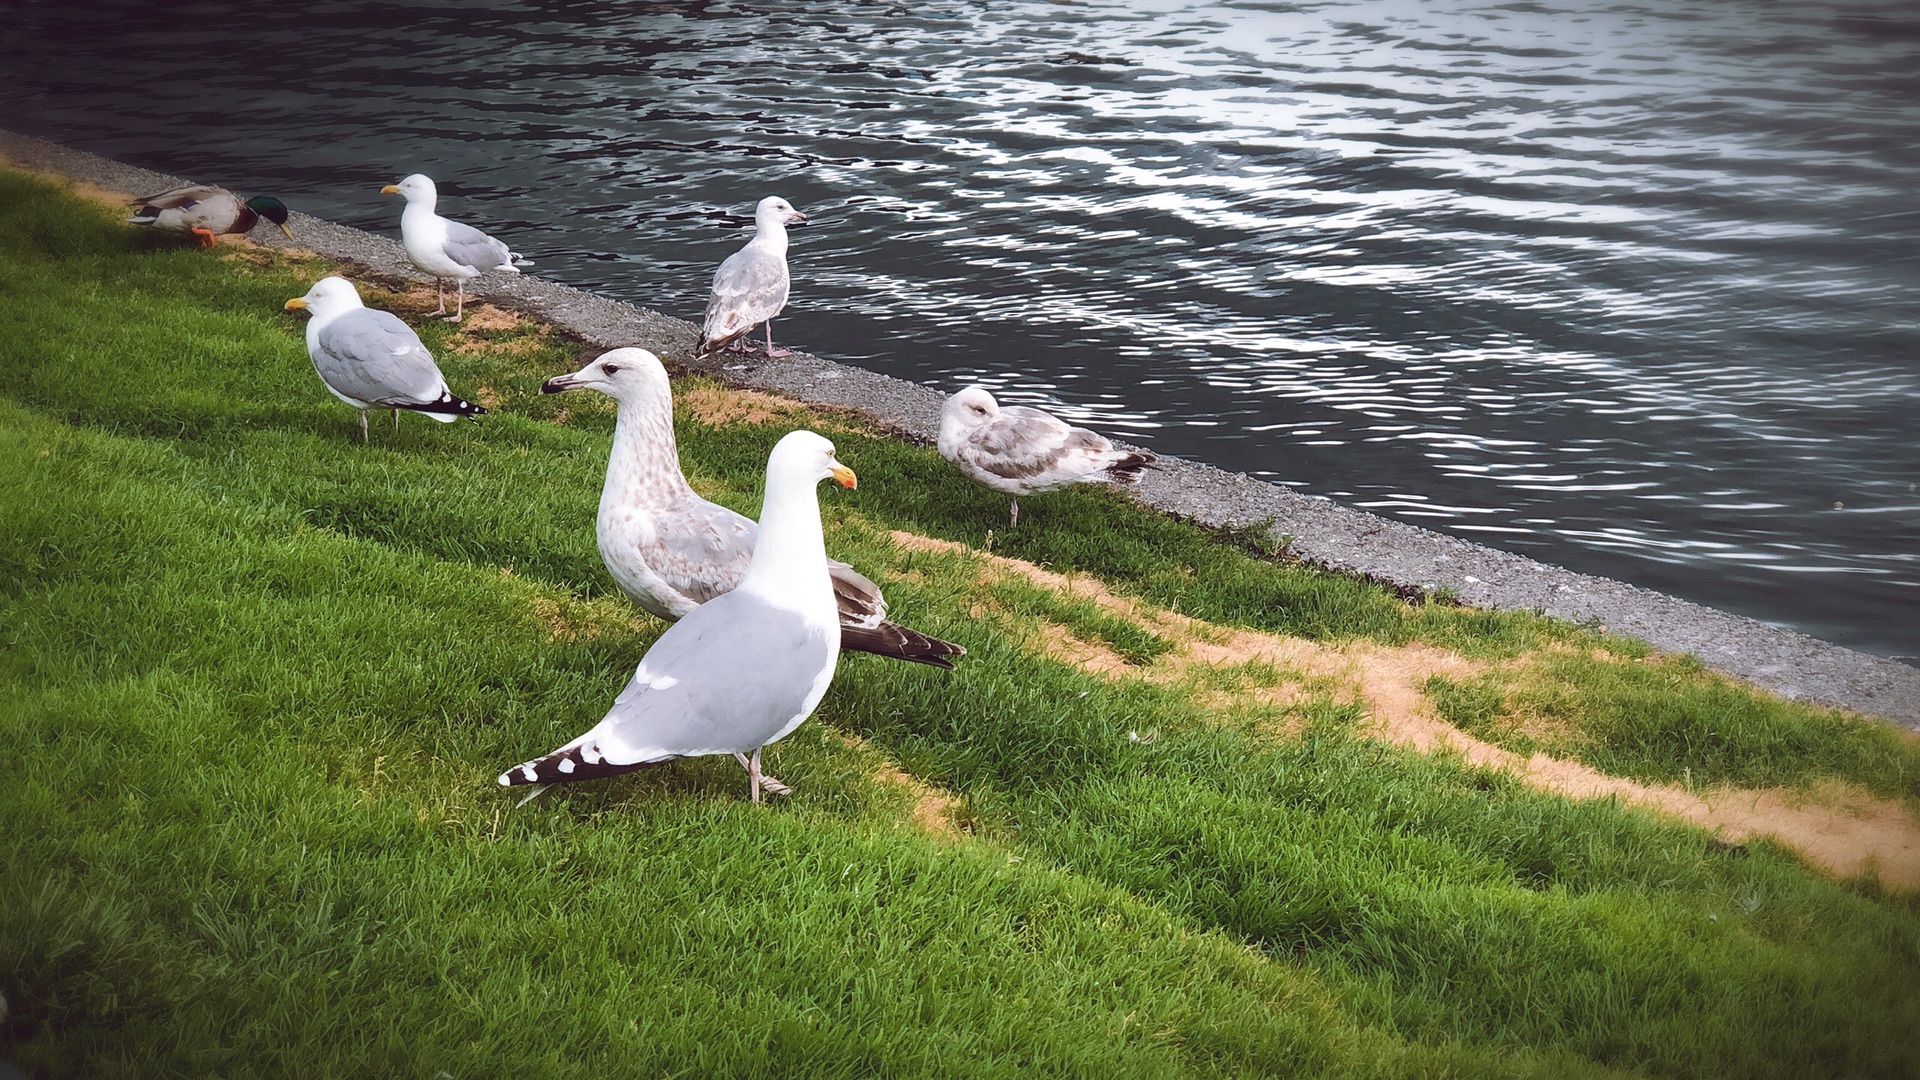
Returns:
point(444, 248)
point(208, 212)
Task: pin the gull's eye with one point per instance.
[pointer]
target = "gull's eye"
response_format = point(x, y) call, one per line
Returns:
point(612, 369)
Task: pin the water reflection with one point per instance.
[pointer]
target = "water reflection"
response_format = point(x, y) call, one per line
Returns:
point(1628, 289)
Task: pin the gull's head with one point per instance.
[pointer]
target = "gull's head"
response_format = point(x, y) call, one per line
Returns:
point(621, 374)
point(329, 297)
point(970, 408)
point(416, 188)
point(272, 209)
point(804, 458)
point(774, 210)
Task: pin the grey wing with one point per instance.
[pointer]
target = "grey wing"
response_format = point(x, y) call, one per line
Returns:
point(372, 356)
point(728, 676)
point(469, 246)
point(748, 289)
point(860, 601)
point(1023, 444)
point(702, 549)
point(185, 195)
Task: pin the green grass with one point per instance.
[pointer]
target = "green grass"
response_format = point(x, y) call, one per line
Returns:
point(256, 679)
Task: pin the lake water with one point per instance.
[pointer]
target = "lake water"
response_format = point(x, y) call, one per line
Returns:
point(1632, 288)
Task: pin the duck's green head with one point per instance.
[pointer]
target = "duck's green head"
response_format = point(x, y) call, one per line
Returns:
point(272, 209)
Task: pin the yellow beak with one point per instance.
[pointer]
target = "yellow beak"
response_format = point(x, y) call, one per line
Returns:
point(390, 189)
point(844, 476)
point(298, 303)
point(284, 229)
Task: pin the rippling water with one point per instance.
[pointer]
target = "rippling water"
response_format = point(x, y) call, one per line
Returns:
point(1631, 288)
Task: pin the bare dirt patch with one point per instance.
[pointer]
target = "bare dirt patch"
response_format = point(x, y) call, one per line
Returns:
point(1843, 830)
point(934, 811)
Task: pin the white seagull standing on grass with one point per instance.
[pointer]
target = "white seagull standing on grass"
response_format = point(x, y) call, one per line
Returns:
point(669, 549)
point(742, 670)
point(447, 249)
point(750, 288)
point(1019, 451)
point(371, 360)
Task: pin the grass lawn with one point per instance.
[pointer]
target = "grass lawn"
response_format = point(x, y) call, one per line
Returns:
point(257, 678)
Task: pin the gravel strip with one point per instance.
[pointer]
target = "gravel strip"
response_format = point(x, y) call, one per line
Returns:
point(1321, 531)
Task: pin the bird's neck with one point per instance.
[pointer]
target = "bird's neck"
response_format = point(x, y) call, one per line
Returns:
point(772, 236)
point(645, 464)
point(790, 554)
point(418, 208)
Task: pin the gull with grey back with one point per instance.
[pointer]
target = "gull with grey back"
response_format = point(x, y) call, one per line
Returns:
point(371, 360)
point(751, 287)
point(1019, 451)
point(447, 249)
point(742, 670)
point(671, 550)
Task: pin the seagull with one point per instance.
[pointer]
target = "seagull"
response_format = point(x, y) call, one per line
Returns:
point(750, 288)
point(207, 212)
point(671, 550)
point(742, 670)
point(446, 249)
point(1018, 451)
point(370, 359)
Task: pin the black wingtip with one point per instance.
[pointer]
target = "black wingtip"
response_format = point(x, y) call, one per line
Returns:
point(448, 405)
point(565, 766)
point(1127, 469)
point(900, 643)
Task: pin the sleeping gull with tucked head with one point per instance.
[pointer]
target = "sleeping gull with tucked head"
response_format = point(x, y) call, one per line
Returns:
point(446, 249)
point(371, 360)
point(742, 670)
point(1019, 451)
point(671, 550)
point(750, 288)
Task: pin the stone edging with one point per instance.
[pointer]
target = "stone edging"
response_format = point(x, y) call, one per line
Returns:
point(1323, 532)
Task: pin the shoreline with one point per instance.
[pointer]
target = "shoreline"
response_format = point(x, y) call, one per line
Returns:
point(1319, 531)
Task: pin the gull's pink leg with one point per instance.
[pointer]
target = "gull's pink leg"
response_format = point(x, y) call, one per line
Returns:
point(1013, 516)
point(773, 353)
point(461, 288)
point(442, 309)
point(769, 784)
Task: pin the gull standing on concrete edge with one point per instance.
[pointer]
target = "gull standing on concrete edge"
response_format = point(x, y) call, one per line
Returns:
point(1020, 451)
point(750, 288)
point(742, 670)
point(669, 549)
point(446, 249)
point(371, 360)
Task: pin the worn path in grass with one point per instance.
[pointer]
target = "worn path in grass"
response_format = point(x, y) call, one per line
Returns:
point(257, 678)
point(1845, 830)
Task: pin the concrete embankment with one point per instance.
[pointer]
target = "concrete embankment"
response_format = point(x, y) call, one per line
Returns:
point(1321, 531)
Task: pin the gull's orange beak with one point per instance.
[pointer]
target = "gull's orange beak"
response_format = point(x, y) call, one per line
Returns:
point(390, 189)
point(296, 304)
point(844, 476)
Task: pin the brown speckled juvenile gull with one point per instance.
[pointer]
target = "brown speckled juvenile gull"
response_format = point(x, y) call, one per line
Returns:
point(742, 670)
point(671, 550)
point(1018, 451)
point(750, 288)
